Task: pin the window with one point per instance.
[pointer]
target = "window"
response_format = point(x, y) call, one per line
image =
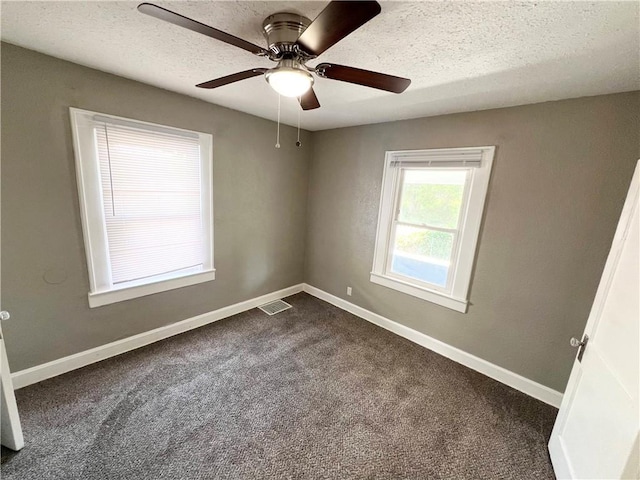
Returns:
point(146, 204)
point(429, 221)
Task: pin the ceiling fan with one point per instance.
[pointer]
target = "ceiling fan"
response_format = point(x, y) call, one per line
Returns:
point(293, 41)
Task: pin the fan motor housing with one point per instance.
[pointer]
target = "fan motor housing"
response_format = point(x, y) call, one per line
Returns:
point(282, 30)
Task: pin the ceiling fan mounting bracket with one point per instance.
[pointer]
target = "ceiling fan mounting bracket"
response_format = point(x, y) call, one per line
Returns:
point(321, 70)
point(282, 30)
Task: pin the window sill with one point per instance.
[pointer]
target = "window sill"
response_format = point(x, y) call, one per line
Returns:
point(429, 295)
point(99, 299)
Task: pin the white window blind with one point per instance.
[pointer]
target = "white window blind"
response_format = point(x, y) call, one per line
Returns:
point(146, 203)
point(151, 191)
point(471, 158)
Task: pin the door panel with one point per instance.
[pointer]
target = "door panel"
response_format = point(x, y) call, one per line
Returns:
point(617, 336)
point(10, 428)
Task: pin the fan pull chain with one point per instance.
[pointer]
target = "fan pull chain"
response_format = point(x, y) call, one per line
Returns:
point(278, 134)
point(299, 143)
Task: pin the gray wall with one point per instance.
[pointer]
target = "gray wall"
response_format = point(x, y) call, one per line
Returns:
point(260, 196)
point(559, 179)
point(560, 175)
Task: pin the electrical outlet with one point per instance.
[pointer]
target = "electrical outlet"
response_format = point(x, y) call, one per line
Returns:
point(349, 291)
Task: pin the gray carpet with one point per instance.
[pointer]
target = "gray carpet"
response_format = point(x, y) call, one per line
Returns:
point(312, 392)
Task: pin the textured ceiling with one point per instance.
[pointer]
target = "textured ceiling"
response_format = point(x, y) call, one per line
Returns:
point(460, 56)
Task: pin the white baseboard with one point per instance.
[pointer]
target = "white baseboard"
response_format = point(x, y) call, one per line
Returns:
point(51, 369)
point(38, 373)
point(531, 388)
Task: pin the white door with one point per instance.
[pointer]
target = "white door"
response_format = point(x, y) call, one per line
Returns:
point(596, 434)
point(10, 429)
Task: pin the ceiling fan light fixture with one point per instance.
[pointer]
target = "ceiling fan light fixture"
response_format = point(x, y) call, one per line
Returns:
point(293, 40)
point(289, 81)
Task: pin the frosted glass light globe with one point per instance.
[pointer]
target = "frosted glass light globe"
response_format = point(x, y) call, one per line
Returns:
point(289, 82)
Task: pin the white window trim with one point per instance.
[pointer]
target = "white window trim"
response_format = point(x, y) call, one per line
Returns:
point(455, 297)
point(102, 292)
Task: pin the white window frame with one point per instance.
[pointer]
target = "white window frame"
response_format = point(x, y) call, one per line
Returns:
point(455, 294)
point(102, 291)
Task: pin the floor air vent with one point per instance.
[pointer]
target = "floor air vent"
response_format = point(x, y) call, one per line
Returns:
point(272, 308)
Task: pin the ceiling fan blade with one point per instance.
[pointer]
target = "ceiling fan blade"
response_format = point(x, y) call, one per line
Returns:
point(309, 101)
point(182, 21)
point(381, 81)
point(335, 22)
point(235, 77)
